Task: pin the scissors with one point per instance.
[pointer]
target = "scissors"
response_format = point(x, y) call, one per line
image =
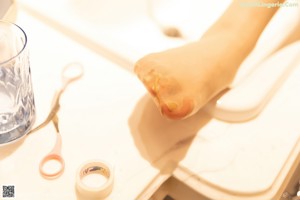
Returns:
point(70, 73)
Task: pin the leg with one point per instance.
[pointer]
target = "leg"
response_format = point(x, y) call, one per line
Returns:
point(184, 79)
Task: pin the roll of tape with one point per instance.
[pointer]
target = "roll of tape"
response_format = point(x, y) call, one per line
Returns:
point(94, 167)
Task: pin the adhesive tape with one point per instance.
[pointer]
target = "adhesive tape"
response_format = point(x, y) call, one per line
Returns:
point(94, 167)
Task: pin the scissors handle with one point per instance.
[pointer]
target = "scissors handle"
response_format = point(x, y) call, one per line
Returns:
point(55, 154)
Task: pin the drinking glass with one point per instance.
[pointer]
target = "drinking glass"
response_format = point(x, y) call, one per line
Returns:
point(17, 108)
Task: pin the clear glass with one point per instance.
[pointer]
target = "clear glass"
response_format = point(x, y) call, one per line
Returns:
point(17, 108)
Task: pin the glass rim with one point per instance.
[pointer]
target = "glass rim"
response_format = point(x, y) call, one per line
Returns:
point(24, 45)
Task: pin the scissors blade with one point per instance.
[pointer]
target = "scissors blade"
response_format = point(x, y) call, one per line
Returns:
point(56, 98)
point(55, 123)
point(49, 118)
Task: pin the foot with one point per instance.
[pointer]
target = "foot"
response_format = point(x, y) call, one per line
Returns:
point(184, 79)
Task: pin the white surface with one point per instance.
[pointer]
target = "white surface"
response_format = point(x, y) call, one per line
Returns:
point(124, 30)
point(247, 99)
point(243, 158)
point(93, 121)
point(247, 158)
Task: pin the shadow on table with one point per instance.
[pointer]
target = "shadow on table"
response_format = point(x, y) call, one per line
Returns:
point(163, 142)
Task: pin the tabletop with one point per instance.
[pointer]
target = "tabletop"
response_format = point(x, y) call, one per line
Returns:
point(108, 115)
point(94, 120)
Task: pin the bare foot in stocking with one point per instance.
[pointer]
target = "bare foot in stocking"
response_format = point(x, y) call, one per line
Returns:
point(182, 80)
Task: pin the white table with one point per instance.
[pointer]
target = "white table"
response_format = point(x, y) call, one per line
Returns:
point(108, 115)
point(93, 120)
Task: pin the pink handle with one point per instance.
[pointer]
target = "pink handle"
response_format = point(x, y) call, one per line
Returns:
point(55, 154)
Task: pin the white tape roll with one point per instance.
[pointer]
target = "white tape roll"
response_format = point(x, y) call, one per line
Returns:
point(94, 167)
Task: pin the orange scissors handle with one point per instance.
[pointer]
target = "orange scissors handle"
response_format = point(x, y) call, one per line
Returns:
point(70, 73)
point(55, 154)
